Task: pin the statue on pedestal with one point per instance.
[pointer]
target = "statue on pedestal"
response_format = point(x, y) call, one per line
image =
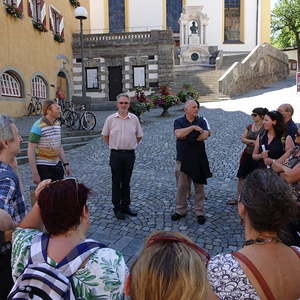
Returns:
point(194, 28)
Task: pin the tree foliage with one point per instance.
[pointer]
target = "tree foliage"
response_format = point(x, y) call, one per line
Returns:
point(286, 25)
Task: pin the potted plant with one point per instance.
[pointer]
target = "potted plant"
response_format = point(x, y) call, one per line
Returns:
point(165, 100)
point(39, 26)
point(58, 37)
point(139, 103)
point(187, 93)
point(13, 10)
point(75, 3)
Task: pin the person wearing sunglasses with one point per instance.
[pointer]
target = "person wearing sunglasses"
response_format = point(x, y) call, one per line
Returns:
point(170, 266)
point(247, 164)
point(46, 155)
point(122, 132)
point(62, 209)
point(264, 268)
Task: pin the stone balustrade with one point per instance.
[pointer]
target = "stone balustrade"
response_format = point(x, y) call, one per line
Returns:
point(123, 38)
point(263, 66)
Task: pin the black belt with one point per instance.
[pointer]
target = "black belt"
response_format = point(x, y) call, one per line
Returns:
point(125, 151)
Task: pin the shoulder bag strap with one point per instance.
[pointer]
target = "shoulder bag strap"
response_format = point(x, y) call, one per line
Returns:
point(261, 281)
point(71, 263)
point(297, 252)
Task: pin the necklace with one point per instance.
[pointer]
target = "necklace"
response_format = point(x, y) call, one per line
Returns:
point(262, 241)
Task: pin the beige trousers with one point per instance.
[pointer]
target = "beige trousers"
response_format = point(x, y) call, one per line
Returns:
point(183, 186)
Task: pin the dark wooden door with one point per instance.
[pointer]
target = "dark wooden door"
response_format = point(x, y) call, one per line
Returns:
point(115, 82)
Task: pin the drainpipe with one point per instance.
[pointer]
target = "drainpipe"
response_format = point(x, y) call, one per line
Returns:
point(256, 33)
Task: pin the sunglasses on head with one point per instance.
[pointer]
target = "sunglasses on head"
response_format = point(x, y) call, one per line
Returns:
point(74, 179)
point(254, 115)
point(168, 238)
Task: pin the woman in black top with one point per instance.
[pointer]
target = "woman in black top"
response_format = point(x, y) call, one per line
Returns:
point(272, 143)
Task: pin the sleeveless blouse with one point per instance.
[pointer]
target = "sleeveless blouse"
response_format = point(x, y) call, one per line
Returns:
point(252, 135)
point(276, 147)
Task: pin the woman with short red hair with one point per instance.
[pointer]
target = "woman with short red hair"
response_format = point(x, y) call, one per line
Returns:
point(62, 208)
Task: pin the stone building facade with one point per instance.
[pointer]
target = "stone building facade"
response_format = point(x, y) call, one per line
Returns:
point(119, 62)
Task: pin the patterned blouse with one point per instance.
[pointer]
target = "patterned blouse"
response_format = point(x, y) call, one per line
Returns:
point(102, 277)
point(228, 280)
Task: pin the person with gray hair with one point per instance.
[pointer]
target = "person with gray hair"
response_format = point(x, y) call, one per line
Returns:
point(122, 132)
point(287, 112)
point(11, 198)
point(191, 161)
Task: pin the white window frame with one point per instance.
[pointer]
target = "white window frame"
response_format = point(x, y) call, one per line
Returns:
point(10, 85)
point(92, 82)
point(39, 87)
point(37, 10)
point(139, 76)
point(11, 2)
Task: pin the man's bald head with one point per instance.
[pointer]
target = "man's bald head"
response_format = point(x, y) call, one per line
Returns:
point(286, 110)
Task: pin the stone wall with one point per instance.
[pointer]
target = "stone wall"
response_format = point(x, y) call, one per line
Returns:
point(263, 66)
point(154, 50)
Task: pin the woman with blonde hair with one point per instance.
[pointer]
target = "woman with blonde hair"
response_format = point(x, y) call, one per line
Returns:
point(170, 267)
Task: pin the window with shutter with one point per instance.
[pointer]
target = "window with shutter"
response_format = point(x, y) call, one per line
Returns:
point(14, 7)
point(37, 8)
point(10, 85)
point(11, 2)
point(56, 24)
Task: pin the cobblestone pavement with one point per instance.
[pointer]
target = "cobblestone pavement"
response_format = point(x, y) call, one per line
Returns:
point(153, 181)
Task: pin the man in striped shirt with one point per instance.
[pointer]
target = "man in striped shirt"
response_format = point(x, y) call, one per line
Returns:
point(45, 152)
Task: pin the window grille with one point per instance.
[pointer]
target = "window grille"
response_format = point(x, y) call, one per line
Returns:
point(10, 85)
point(39, 87)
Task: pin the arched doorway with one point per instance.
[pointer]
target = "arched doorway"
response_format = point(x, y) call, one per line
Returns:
point(62, 83)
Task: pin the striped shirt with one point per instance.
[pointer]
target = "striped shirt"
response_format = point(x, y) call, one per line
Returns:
point(48, 138)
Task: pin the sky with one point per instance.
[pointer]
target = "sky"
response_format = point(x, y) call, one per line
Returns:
point(273, 3)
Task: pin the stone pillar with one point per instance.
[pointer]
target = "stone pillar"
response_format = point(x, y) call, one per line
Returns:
point(204, 34)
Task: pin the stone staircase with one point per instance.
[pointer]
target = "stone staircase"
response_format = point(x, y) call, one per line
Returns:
point(203, 79)
point(70, 140)
point(228, 60)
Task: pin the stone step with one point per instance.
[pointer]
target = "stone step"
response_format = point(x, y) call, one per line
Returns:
point(228, 60)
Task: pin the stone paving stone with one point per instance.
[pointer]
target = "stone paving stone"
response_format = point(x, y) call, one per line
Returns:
point(153, 183)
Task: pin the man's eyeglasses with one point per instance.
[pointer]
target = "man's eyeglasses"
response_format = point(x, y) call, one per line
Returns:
point(168, 238)
point(123, 103)
point(69, 178)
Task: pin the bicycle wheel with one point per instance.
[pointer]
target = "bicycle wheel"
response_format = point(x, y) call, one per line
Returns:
point(88, 120)
point(68, 117)
point(30, 109)
point(38, 108)
point(76, 121)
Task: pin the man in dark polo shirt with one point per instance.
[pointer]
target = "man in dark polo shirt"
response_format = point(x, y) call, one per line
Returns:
point(287, 112)
point(191, 161)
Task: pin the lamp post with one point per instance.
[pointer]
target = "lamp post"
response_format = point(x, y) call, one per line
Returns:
point(82, 14)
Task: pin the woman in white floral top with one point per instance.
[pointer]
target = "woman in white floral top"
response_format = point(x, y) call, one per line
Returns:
point(62, 208)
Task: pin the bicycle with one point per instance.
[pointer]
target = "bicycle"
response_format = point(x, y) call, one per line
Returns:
point(84, 119)
point(67, 116)
point(35, 106)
